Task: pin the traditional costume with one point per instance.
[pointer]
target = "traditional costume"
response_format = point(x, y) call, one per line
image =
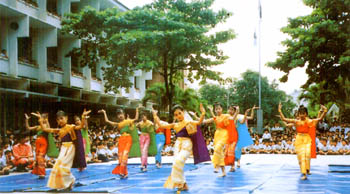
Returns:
point(147, 141)
point(185, 145)
point(162, 138)
point(61, 176)
point(244, 138)
point(128, 146)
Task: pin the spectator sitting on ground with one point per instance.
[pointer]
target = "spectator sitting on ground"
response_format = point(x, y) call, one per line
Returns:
point(23, 155)
point(332, 148)
point(4, 170)
point(255, 147)
point(322, 147)
point(289, 149)
point(111, 154)
point(102, 152)
point(344, 148)
point(266, 135)
point(93, 158)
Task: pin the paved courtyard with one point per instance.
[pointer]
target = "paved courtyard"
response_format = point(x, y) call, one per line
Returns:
point(258, 174)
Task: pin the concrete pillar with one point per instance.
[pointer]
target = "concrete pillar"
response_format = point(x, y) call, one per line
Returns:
point(65, 45)
point(41, 40)
point(13, 34)
point(99, 73)
point(42, 9)
point(141, 82)
point(87, 76)
point(93, 3)
point(132, 88)
point(63, 7)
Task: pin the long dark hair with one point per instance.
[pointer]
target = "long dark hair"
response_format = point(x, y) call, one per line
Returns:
point(61, 113)
point(302, 109)
point(177, 106)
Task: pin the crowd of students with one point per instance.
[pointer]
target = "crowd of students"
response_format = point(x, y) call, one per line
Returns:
point(330, 140)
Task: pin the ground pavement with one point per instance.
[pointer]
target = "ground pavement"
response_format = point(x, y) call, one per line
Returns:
point(258, 174)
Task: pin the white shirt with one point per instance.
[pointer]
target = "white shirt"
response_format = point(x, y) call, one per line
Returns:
point(322, 147)
point(347, 129)
point(276, 147)
point(102, 151)
point(267, 136)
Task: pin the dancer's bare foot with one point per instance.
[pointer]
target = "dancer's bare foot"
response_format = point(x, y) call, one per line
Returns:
point(41, 176)
point(216, 170)
point(308, 172)
point(71, 186)
point(232, 169)
point(303, 177)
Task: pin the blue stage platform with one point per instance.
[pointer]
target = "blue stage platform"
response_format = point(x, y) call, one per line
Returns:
point(250, 178)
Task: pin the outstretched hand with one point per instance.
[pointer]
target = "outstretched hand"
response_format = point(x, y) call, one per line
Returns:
point(201, 108)
point(37, 114)
point(280, 107)
point(247, 111)
point(26, 116)
point(86, 113)
point(101, 111)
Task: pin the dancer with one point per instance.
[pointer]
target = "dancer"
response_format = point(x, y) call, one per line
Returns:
point(189, 139)
point(79, 159)
point(61, 176)
point(244, 138)
point(128, 142)
point(232, 141)
point(303, 139)
point(162, 138)
point(224, 134)
point(40, 146)
point(86, 140)
point(147, 140)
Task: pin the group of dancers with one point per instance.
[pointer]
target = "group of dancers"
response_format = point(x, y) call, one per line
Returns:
point(230, 137)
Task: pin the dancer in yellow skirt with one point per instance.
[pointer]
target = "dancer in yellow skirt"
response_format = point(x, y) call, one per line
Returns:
point(61, 177)
point(223, 135)
point(189, 140)
point(303, 140)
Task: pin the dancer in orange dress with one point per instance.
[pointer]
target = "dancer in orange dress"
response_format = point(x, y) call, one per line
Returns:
point(303, 140)
point(41, 145)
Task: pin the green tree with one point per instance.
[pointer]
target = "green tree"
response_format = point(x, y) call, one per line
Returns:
point(212, 93)
point(321, 42)
point(187, 98)
point(246, 95)
point(167, 36)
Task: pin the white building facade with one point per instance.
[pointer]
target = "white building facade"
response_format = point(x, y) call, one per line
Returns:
point(33, 63)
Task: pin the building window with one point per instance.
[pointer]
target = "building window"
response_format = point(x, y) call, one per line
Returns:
point(25, 50)
point(136, 85)
point(74, 8)
point(52, 60)
point(51, 6)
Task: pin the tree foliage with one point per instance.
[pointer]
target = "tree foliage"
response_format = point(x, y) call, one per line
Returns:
point(245, 93)
point(321, 42)
point(167, 36)
point(187, 98)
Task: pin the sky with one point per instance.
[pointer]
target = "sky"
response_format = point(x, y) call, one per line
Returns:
point(242, 52)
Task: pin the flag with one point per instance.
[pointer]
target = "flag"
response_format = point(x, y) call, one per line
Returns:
point(255, 38)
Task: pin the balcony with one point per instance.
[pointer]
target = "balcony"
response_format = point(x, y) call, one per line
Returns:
point(28, 70)
point(4, 65)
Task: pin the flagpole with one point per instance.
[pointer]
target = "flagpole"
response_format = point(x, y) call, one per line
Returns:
point(260, 111)
point(259, 47)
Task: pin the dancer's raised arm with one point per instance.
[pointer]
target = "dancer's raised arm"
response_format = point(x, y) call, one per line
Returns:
point(83, 120)
point(157, 121)
point(42, 124)
point(201, 108)
point(245, 116)
point(252, 113)
point(27, 123)
point(282, 116)
point(114, 124)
